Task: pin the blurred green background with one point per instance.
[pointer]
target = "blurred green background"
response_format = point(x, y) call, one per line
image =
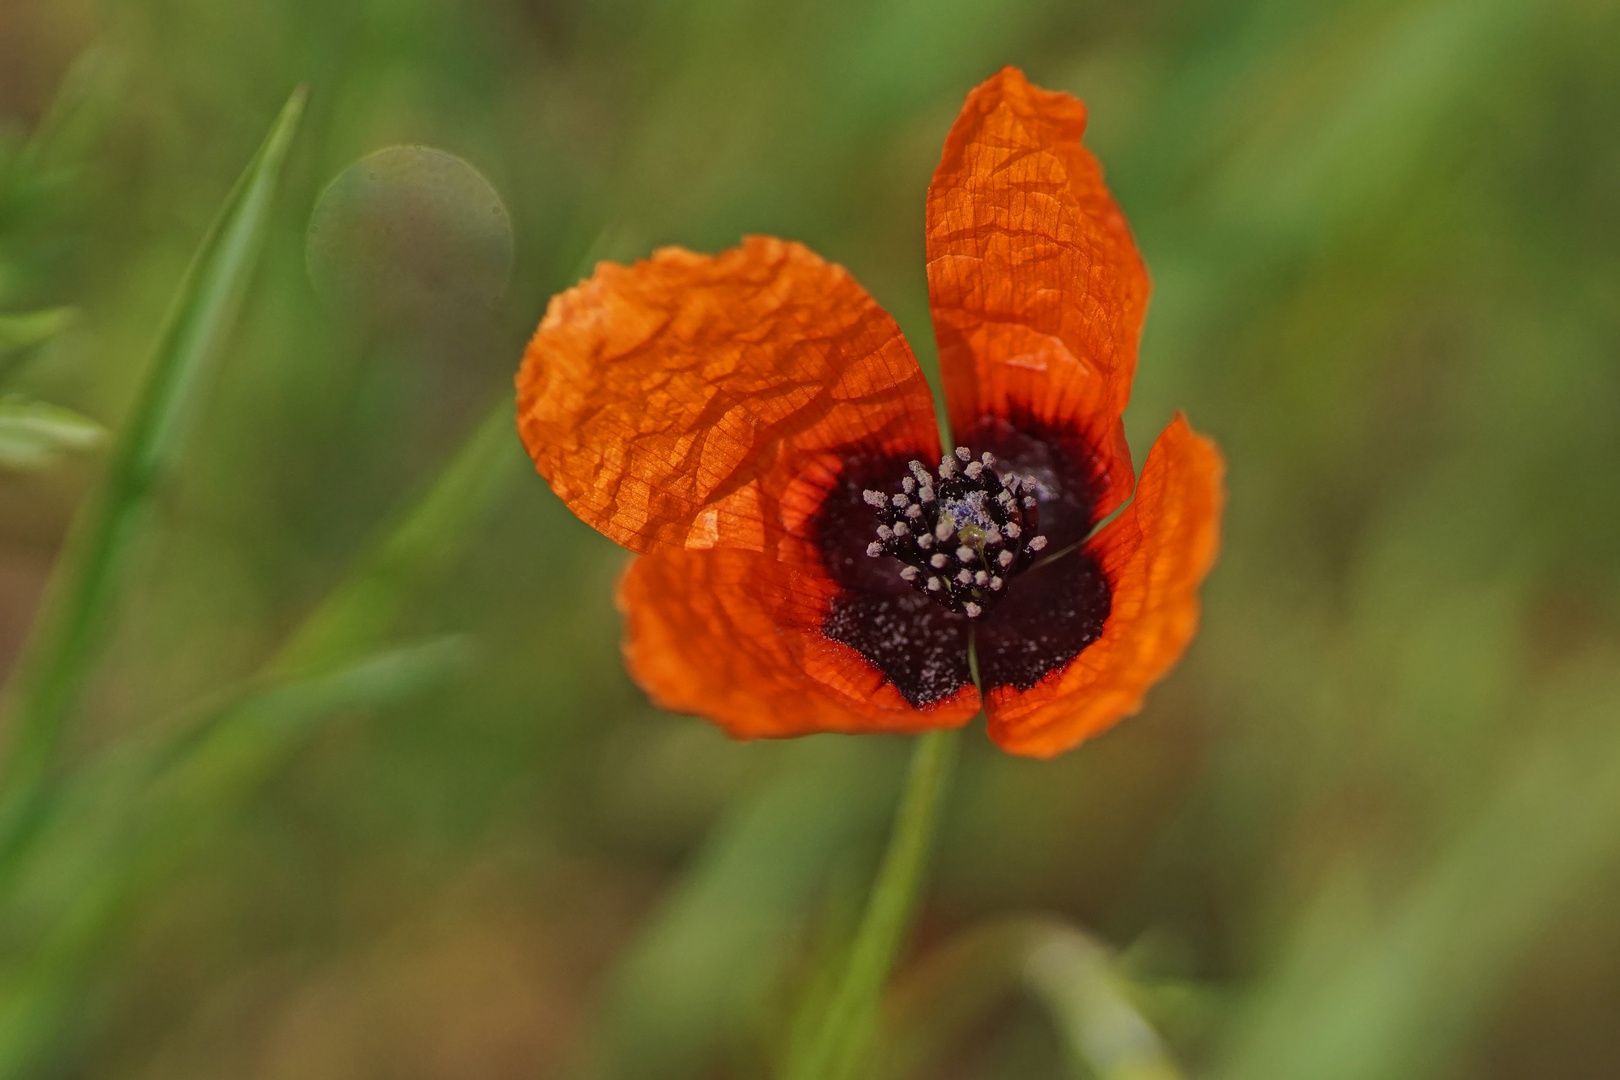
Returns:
point(1370, 828)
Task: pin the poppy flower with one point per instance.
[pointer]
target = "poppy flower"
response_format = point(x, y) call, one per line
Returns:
point(754, 425)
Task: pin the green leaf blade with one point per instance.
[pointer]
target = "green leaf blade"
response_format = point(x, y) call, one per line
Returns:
point(92, 571)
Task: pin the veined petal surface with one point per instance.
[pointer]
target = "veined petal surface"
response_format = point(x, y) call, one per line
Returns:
point(671, 403)
point(1154, 556)
point(1037, 289)
point(736, 637)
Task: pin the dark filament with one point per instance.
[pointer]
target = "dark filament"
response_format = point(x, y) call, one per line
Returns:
point(961, 537)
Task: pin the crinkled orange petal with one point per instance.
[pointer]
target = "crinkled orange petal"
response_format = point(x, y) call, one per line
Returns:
point(1154, 556)
point(1037, 288)
point(669, 403)
point(734, 636)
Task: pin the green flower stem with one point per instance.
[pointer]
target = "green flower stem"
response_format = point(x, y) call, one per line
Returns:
point(851, 1017)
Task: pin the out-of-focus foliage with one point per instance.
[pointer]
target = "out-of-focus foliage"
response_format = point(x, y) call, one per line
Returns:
point(1367, 830)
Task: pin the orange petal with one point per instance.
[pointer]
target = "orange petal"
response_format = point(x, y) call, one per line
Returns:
point(737, 637)
point(1037, 289)
point(1154, 556)
point(670, 403)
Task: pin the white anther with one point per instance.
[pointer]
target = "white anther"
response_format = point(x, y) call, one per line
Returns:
point(1005, 499)
point(874, 549)
point(873, 498)
point(996, 584)
point(947, 468)
point(964, 453)
point(913, 512)
point(942, 531)
point(939, 562)
point(973, 610)
point(1014, 529)
point(925, 494)
point(884, 532)
point(1029, 502)
point(898, 501)
point(974, 471)
point(909, 573)
point(989, 459)
point(1005, 558)
point(981, 579)
point(925, 540)
point(965, 577)
point(919, 470)
point(909, 484)
point(992, 535)
point(964, 553)
point(934, 584)
point(1012, 480)
point(900, 529)
point(1037, 544)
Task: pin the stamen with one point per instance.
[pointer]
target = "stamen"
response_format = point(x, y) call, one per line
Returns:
point(956, 535)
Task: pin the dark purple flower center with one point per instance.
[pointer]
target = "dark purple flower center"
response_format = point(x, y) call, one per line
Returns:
point(960, 536)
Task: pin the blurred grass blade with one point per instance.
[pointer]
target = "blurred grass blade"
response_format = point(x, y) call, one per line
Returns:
point(79, 112)
point(22, 332)
point(1105, 1036)
point(1067, 972)
point(231, 750)
point(91, 572)
point(126, 824)
point(26, 329)
point(360, 611)
point(34, 435)
point(1393, 992)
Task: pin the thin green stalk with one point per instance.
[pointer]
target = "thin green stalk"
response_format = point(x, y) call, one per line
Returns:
point(358, 614)
point(851, 1018)
point(93, 572)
